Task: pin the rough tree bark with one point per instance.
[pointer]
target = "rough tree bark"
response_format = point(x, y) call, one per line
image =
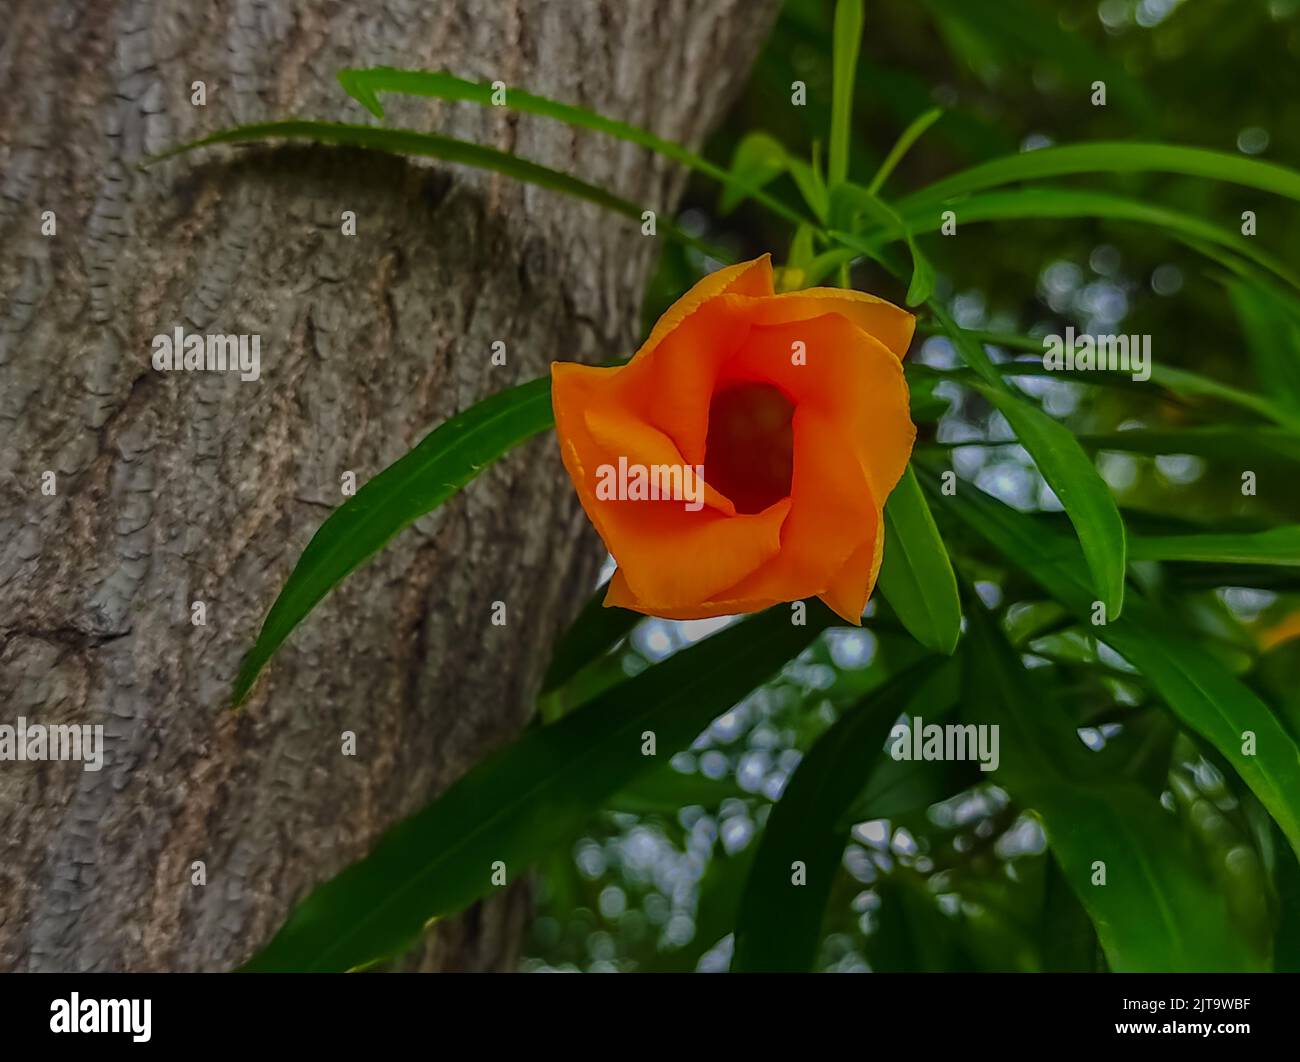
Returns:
point(174, 488)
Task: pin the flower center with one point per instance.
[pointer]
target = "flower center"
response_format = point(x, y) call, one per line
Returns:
point(749, 450)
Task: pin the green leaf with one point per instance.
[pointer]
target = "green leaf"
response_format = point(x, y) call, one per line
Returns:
point(1156, 910)
point(1286, 945)
point(898, 788)
point(432, 145)
point(901, 93)
point(1117, 156)
point(811, 186)
point(825, 264)
point(1035, 203)
point(916, 575)
point(1199, 690)
point(1180, 382)
point(911, 934)
point(519, 803)
point(910, 136)
point(443, 462)
point(1272, 333)
point(596, 631)
point(849, 200)
point(758, 160)
point(802, 252)
point(665, 791)
point(1084, 495)
point(1068, 942)
point(779, 926)
point(921, 286)
point(365, 86)
point(847, 42)
point(1269, 446)
point(906, 787)
point(1183, 382)
point(1068, 469)
point(926, 406)
point(1279, 545)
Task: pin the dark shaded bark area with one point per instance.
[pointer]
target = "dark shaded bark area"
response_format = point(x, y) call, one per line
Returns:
point(174, 488)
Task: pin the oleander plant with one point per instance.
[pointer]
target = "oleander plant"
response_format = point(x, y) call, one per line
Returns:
point(970, 639)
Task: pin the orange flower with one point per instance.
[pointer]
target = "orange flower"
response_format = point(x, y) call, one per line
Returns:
point(794, 408)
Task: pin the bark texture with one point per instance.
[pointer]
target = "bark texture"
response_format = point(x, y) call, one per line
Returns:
point(174, 488)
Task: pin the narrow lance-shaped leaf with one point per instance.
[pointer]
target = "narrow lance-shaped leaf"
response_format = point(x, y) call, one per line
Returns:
point(1047, 202)
point(1278, 545)
point(916, 575)
point(1199, 690)
point(596, 631)
point(812, 186)
point(798, 260)
point(1180, 382)
point(825, 264)
point(911, 934)
point(910, 136)
point(1155, 910)
point(1185, 382)
point(365, 86)
point(1068, 469)
point(905, 787)
point(921, 286)
point(665, 791)
point(1269, 446)
point(845, 45)
point(898, 787)
point(1272, 333)
point(758, 160)
point(779, 926)
point(446, 459)
point(1272, 447)
point(1066, 935)
point(517, 805)
point(437, 146)
point(1110, 157)
point(849, 200)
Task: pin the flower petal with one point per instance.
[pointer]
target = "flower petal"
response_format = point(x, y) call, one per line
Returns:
point(753, 278)
point(891, 325)
point(620, 434)
point(671, 558)
point(621, 595)
point(852, 585)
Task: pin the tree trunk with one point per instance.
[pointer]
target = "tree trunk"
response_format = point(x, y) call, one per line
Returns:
point(180, 487)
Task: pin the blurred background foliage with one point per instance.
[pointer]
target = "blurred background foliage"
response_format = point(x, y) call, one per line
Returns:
point(943, 870)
